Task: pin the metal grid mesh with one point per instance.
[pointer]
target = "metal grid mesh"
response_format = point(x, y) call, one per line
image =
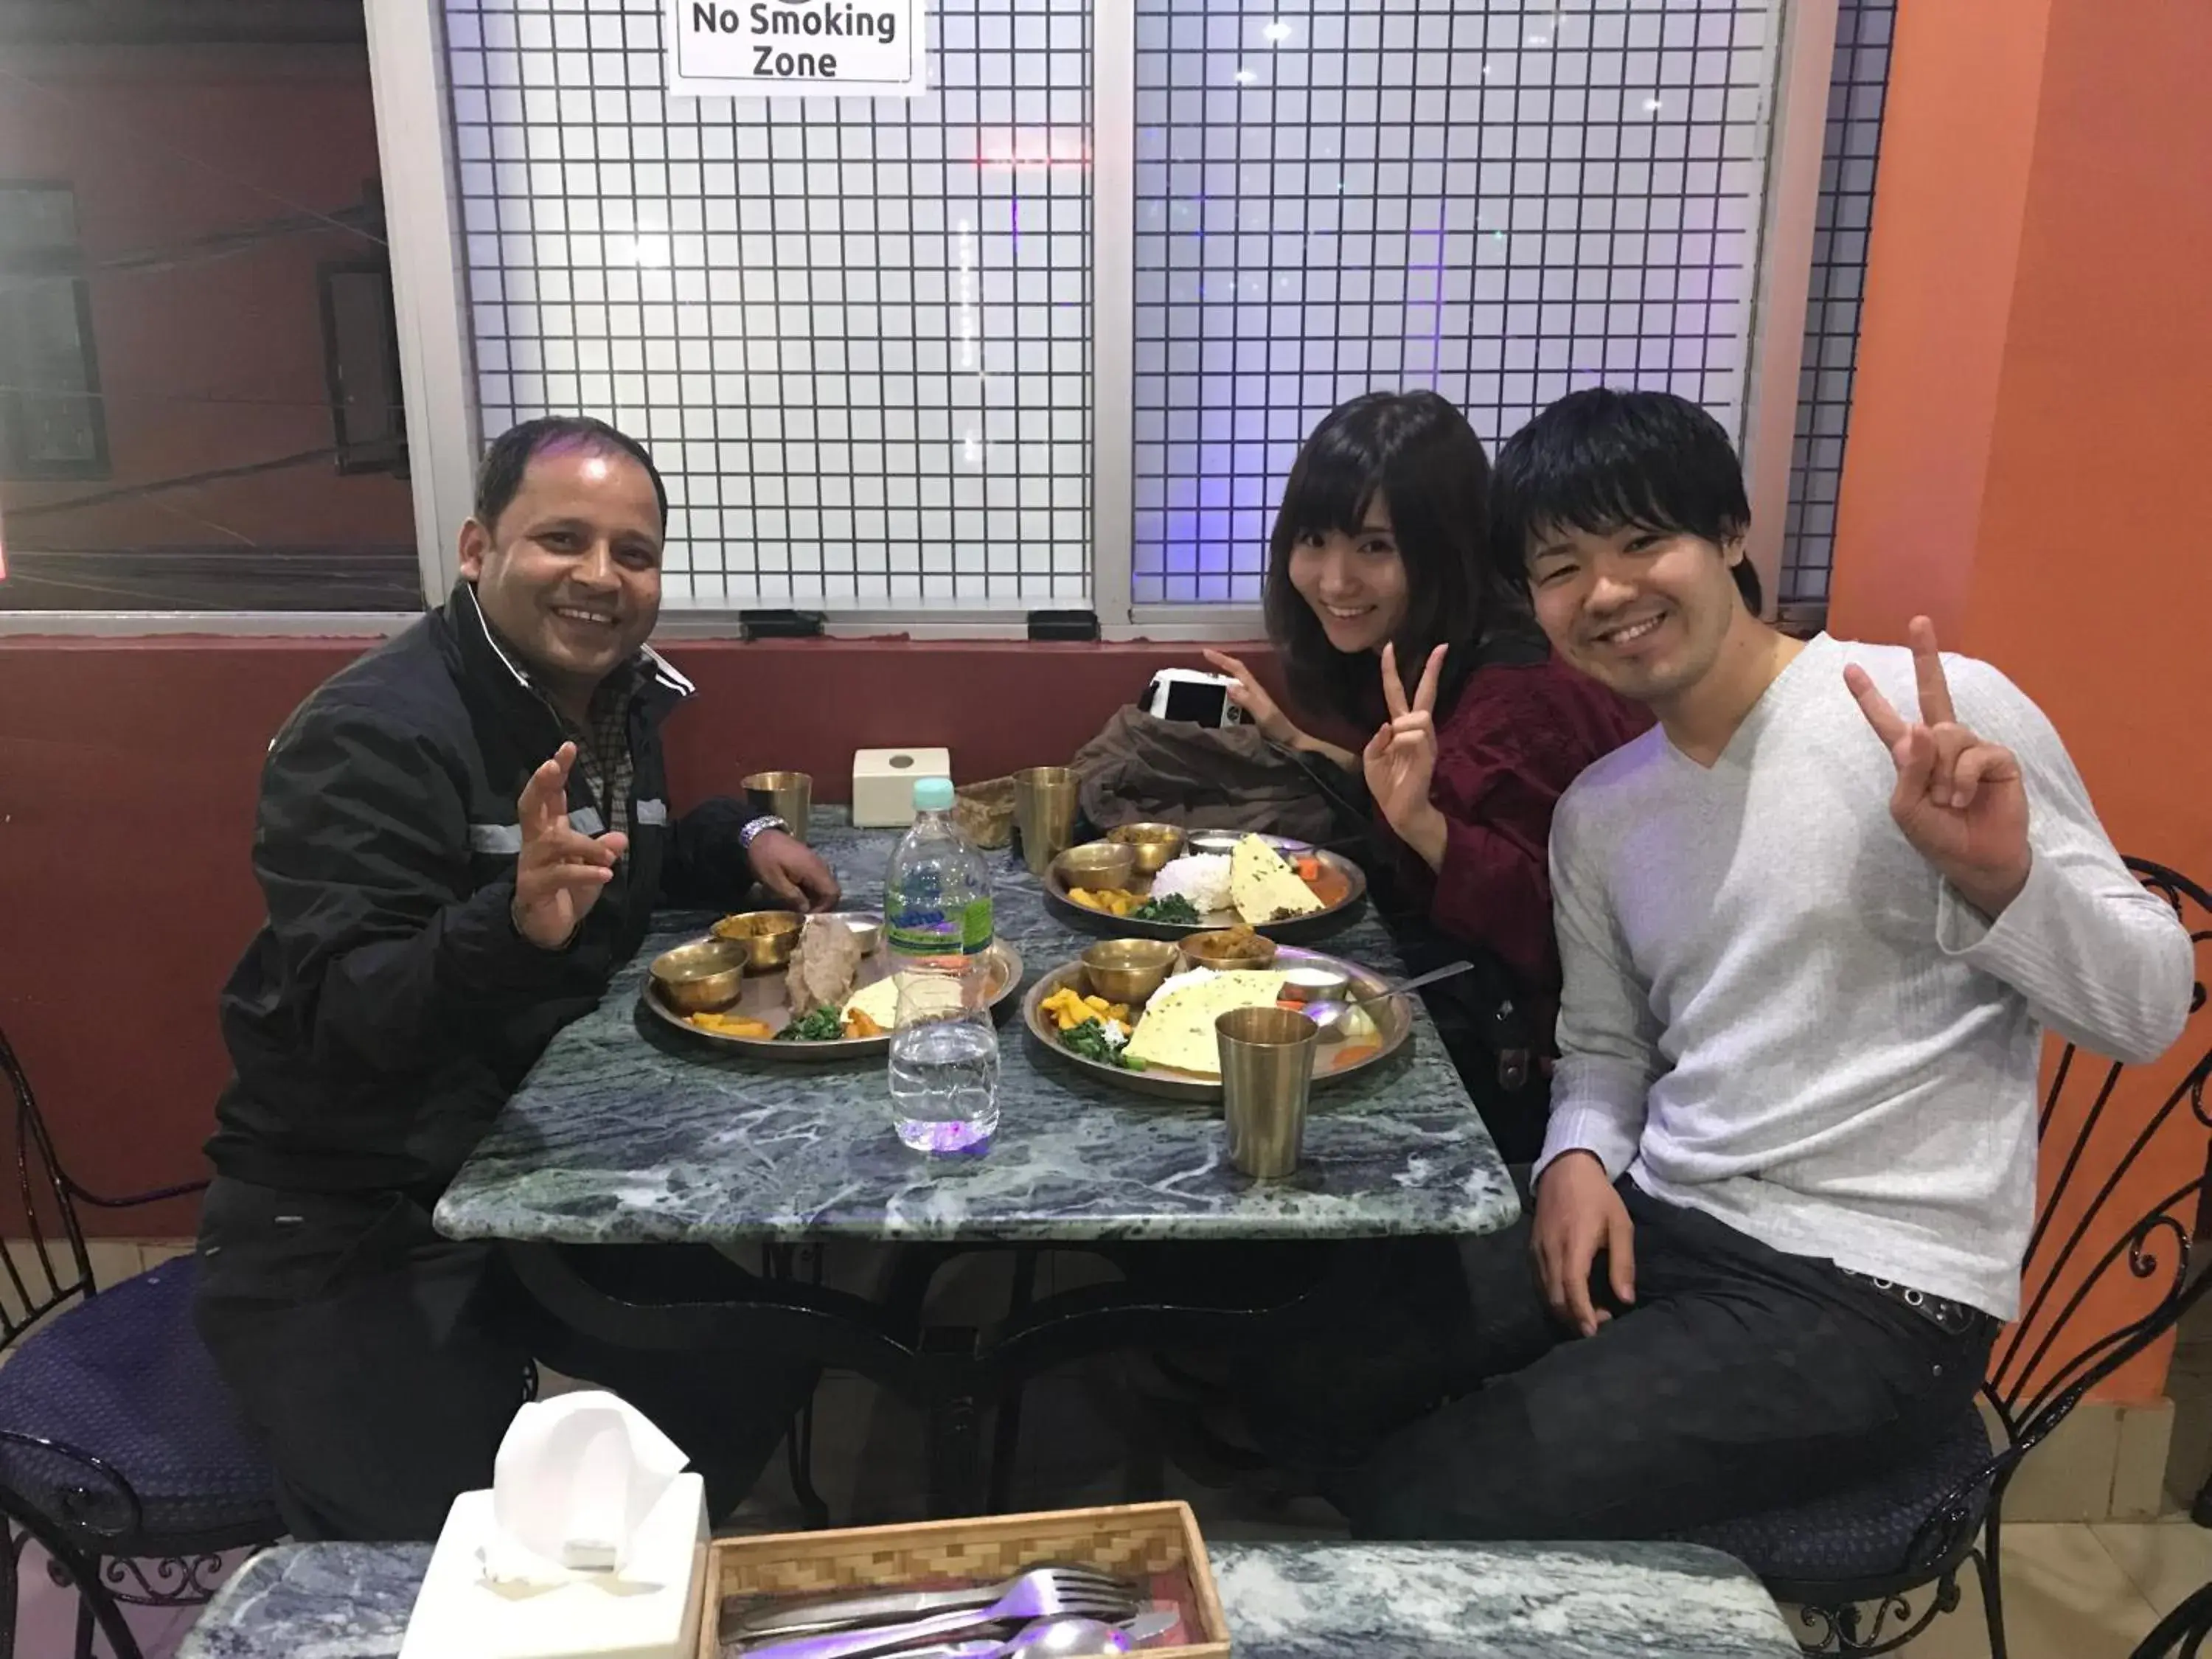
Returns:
point(1498, 200)
point(1857, 88)
point(854, 332)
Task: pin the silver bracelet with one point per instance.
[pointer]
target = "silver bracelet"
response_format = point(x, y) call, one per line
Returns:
point(759, 827)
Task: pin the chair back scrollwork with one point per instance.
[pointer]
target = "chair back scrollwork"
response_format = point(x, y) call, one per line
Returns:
point(44, 1263)
point(2081, 1256)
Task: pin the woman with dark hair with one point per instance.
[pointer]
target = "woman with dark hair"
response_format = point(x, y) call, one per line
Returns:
point(1378, 581)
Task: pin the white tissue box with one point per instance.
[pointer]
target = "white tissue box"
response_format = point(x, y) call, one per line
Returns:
point(459, 1616)
point(883, 780)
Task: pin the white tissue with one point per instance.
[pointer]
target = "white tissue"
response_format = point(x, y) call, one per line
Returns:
point(575, 1480)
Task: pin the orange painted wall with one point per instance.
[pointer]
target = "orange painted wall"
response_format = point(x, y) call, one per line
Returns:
point(2031, 433)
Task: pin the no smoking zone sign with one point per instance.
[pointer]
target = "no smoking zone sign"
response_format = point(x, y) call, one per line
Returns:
point(782, 48)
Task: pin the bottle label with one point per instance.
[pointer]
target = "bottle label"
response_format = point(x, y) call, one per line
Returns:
point(935, 932)
point(920, 933)
point(976, 928)
point(927, 933)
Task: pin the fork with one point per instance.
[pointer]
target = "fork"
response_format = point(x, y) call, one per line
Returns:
point(1088, 1584)
point(1038, 1594)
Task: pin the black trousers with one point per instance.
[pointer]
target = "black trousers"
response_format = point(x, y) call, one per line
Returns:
point(1442, 1401)
point(384, 1362)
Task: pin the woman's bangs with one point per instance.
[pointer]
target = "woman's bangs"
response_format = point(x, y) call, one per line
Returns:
point(1331, 490)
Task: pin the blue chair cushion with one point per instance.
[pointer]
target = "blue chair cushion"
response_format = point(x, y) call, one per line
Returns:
point(1861, 1534)
point(124, 1377)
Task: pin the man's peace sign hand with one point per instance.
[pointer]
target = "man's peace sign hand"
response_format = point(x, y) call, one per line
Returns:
point(560, 872)
point(1960, 800)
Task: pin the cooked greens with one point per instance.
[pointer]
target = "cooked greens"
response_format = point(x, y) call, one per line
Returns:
point(1091, 1040)
point(822, 1026)
point(1174, 908)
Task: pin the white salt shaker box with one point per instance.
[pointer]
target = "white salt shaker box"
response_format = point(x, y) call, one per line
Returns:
point(883, 780)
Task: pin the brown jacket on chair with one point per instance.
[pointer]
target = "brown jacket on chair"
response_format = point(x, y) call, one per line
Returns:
point(1144, 769)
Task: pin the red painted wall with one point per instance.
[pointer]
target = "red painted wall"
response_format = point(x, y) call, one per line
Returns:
point(128, 773)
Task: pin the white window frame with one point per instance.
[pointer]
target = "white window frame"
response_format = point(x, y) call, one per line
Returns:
point(409, 71)
point(1804, 48)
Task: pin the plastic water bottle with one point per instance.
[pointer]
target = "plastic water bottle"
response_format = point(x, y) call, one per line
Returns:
point(944, 1074)
point(945, 1049)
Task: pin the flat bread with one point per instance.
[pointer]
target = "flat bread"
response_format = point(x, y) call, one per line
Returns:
point(824, 965)
point(1177, 1028)
point(1264, 889)
point(936, 995)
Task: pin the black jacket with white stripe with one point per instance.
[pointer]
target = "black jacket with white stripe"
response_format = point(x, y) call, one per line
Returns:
point(388, 1008)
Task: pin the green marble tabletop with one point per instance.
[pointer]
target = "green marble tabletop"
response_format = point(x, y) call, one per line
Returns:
point(1323, 1600)
point(614, 1138)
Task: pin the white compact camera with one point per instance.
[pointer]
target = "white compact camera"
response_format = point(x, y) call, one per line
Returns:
point(1188, 693)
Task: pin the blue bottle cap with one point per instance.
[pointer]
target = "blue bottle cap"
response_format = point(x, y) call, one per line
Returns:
point(933, 795)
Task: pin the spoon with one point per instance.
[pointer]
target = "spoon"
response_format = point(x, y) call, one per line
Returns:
point(1067, 1636)
point(1329, 1015)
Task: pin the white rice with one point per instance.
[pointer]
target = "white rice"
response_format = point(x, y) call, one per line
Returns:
point(1202, 878)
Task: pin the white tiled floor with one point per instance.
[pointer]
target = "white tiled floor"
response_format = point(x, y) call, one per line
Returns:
point(2070, 1595)
point(2166, 1563)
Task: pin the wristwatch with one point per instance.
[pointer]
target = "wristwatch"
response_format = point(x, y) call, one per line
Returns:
point(759, 827)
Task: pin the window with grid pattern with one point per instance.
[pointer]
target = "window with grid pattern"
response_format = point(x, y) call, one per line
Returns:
point(1500, 201)
point(1856, 88)
point(855, 333)
point(51, 421)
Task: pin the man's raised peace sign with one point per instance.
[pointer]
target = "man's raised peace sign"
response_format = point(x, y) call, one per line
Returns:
point(560, 872)
point(1960, 800)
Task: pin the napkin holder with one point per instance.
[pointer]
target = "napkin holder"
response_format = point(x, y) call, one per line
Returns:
point(883, 780)
point(651, 1610)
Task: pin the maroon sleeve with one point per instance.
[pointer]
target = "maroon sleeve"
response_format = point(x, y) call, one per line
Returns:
point(1513, 741)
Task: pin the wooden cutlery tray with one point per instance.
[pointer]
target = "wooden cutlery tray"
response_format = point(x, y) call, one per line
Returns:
point(1156, 1545)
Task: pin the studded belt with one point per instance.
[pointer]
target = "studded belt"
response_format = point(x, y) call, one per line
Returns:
point(1955, 1318)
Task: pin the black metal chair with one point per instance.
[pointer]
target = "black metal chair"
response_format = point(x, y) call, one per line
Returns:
point(2182, 1633)
point(121, 1454)
point(1853, 1563)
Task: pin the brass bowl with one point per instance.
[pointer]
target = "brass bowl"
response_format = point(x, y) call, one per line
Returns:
point(766, 936)
point(1315, 984)
point(1128, 969)
point(698, 978)
point(867, 931)
point(1212, 842)
point(1206, 950)
point(1156, 843)
point(1097, 865)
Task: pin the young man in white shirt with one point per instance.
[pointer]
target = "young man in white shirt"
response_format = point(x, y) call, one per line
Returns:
point(1813, 925)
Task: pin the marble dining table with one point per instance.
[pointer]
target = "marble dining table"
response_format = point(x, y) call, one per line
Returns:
point(1283, 1601)
point(624, 1133)
point(627, 1133)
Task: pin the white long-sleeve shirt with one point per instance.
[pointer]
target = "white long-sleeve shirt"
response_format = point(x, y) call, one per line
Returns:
point(1777, 1013)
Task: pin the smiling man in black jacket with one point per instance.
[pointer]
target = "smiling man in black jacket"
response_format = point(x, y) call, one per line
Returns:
point(461, 837)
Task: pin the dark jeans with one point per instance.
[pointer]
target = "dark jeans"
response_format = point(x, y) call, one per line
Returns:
point(1739, 1381)
point(384, 1362)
